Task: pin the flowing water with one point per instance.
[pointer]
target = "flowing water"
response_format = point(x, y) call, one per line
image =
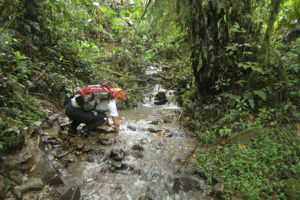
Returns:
point(151, 150)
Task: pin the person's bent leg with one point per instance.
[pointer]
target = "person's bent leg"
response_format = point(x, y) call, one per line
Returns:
point(78, 116)
point(73, 127)
point(97, 121)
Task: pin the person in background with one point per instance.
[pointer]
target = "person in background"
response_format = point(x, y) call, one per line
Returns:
point(96, 116)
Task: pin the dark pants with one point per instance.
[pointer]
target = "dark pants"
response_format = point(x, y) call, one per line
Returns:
point(78, 116)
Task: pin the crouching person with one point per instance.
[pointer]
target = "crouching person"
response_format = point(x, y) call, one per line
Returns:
point(90, 105)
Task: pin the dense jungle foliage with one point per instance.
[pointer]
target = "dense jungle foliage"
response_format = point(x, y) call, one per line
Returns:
point(235, 65)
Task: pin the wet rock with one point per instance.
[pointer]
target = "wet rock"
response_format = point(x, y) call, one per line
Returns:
point(104, 169)
point(106, 141)
point(52, 140)
point(35, 184)
point(43, 167)
point(137, 154)
point(218, 190)
point(154, 122)
point(100, 153)
point(136, 170)
point(54, 193)
point(17, 193)
point(72, 193)
point(117, 154)
point(151, 176)
point(90, 159)
point(117, 165)
point(187, 183)
point(131, 127)
point(170, 135)
point(168, 119)
point(63, 154)
point(66, 161)
point(79, 147)
point(160, 98)
point(54, 179)
point(16, 176)
point(87, 150)
point(137, 147)
point(150, 194)
point(153, 130)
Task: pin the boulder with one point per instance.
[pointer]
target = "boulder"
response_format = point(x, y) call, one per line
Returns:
point(117, 154)
point(72, 193)
point(137, 147)
point(35, 184)
point(187, 183)
point(43, 168)
point(160, 98)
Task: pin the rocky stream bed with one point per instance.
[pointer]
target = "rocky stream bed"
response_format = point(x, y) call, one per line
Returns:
point(151, 158)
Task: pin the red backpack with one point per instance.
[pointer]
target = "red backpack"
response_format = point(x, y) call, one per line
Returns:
point(98, 92)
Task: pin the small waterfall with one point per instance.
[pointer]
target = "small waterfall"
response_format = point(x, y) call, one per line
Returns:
point(149, 98)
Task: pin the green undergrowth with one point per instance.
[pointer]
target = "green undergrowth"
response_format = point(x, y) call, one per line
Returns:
point(18, 114)
point(255, 163)
point(253, 152)
point(49, 49)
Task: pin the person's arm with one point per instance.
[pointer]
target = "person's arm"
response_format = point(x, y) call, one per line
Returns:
point(109, 122)
point(116, 123)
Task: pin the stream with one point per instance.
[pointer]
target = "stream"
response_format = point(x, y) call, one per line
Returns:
point(149, 159)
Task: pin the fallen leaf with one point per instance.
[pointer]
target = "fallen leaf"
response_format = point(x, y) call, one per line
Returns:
point(160, 133)
point(33, 168)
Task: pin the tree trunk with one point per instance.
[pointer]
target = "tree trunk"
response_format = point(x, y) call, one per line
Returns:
point(274, 10)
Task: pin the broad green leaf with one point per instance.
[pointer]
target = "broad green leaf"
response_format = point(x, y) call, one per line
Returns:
point(36, 26)
point(251, 102)
point(261, 94)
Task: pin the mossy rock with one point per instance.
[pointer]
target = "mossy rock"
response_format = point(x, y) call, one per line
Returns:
point(292, 188)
